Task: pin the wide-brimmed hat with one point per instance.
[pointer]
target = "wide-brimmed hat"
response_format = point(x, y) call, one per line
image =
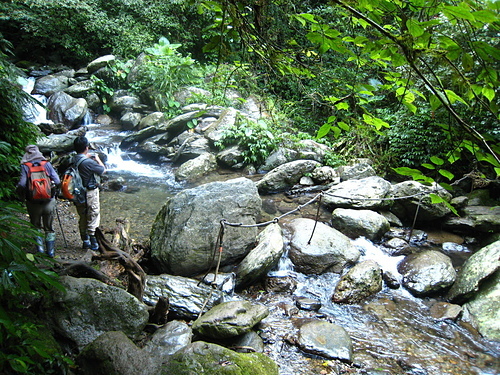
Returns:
point(32, 154)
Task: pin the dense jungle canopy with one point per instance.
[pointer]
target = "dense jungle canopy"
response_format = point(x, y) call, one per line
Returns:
point(412, 85)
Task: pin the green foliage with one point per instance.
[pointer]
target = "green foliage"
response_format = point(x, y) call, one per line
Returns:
point(255, 138)
point(165, 70)
point(16, 133)
point(24, 344)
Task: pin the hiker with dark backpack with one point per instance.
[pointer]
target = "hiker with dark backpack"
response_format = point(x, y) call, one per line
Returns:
point(91, 169)
point(38, 186)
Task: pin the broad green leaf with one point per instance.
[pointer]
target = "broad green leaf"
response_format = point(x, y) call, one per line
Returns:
point(342, 105)
point(342, 125)
point(443, 172)
point(436, 199)
point(437, 160)
point(452, 97)
point(434, 102)
point(461, 11)
point(488, 92)
point(428, 166)
point(414, 28)
point(485, 16)
point(411, 107)
point(467, 62)
point(323, 130)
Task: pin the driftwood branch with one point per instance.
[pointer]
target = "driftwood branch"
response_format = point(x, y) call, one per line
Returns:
point(136, 275)
point(83, 269)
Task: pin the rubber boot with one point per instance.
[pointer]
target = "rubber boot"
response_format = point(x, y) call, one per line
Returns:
point(94, 245)
point(85, 241)
point(50, 243)
point(39, 244)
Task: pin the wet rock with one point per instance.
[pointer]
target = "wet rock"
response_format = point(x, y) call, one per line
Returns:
point(205, 358)
point(390, 280)
point(280, 284)
point(483, 308)
point(130, 120)
point(225, 121)
point(309, 304)
point(230, 157)
point(288, 308)
point(186, 296)
point(360, 223)
point(49, 85)
point(329, 250)
point(153, 119)
point(445, 310)
point(67, 110)
point(193, 169)
point(80, 89)
point(285, 176)
point(230, 319)
point(192, 147)
point(262, 258)
point(277, 158)
point(325, 339)
point(222, 281)
point(362, 281)
point(419, 196)
point(478, 267)
point(365, 193)
point(247, 343)
point(427, 272)
point(123, 102)
point(89, 308)
point(397, 246)
point(114, 353)
point(185, 230)
point(168, 339)
point(485, 219)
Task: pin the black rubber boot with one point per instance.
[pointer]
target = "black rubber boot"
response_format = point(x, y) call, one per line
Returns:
point(94, 245)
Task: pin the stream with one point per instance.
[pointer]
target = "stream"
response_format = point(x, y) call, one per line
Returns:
point(392, 332)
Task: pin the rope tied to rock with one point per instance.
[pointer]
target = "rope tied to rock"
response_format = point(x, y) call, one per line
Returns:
point(218, 246)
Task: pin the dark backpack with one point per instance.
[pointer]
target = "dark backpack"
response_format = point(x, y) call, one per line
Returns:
point(39, 184)
point(72, 186)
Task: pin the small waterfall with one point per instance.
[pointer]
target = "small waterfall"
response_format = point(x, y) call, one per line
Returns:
point(34, 113)
point(370, 251)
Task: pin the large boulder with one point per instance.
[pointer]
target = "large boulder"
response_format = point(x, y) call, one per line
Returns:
point(204, 358)
point(187, 297)
point(193, 169)
point(225, 121)
point(262, 258)
point(356, 171)
point(368, 193)
point(81, 89)
point(412, 195)
point(87, 308)
point(357, 223)
point(50, 84)
point(100, 62)
point(229, 319)
point(362, 281)
point(67, 110)
point(168, 339)
point(483, 308)
point(327, 251)
point(427, 272)
point(60, 142)
point(286, 175)
point(113, 353)
point(473, 219)
point(480, 266)
point(192, 147)
point(186, 229)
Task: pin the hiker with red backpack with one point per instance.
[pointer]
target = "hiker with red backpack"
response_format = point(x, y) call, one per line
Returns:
point(91, 169)
point(38, 186)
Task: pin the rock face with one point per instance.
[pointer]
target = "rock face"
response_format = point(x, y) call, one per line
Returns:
point(325, 339)
point(362, 280)
point(186, 297)
point(478, 267)
point(286, 175)
point(366, 193)
point(230, 319)
point(89, 308)
point(262, 258)
point(329, 250)
point(205, 358)
point(357, 223)
point(66, 109)
point(185, 230)
point(427, 272)
point(113, 353)
point(168, 339)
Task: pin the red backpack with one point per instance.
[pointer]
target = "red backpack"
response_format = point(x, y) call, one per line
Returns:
point(39, 184)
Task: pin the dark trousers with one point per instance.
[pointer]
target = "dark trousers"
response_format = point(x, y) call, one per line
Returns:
point(42, 214)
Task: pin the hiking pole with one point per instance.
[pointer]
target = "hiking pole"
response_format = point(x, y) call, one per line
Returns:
point(62, 231)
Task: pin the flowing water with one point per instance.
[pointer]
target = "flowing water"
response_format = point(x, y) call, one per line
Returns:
point(392, 333)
